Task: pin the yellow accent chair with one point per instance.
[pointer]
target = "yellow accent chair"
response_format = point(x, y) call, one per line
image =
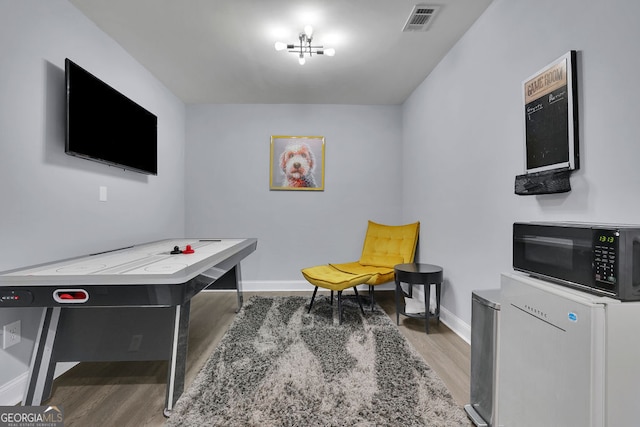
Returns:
point(384, 247)
point(325, 276)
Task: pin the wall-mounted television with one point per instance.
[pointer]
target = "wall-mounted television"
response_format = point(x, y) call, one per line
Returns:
point(105, 126)
point(551, 117)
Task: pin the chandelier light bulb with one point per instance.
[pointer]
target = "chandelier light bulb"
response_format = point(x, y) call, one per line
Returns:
point(304, 47)
point(308, 30)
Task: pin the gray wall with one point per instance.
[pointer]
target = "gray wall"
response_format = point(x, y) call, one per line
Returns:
point(448, 157)
point(49, 201)
point(228, 194)
point(463, 135)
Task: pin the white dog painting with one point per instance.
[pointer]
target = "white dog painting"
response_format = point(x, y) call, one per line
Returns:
point(297, 163)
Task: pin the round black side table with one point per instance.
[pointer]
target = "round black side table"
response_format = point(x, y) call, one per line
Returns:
point(418, 274)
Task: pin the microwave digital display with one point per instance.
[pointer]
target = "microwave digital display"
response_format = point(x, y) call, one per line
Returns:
point(606, 239)
point(605, 254)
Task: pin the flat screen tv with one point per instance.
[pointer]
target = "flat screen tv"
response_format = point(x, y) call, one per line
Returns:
point(105, 126)
point(551, 117)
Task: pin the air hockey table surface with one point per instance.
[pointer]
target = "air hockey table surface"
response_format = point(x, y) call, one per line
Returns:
point(129, 304)
point(140, 275)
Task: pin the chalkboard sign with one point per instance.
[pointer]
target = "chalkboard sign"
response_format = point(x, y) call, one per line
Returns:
point(551, 119)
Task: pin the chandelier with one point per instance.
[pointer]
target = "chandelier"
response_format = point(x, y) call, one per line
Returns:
point(304, 46)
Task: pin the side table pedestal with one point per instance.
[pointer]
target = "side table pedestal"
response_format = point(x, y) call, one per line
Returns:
point(418, 274)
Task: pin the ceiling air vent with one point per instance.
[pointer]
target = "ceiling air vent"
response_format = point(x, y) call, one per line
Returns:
point(420, 18)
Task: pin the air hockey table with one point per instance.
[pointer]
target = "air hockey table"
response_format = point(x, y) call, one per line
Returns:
point(129, 304)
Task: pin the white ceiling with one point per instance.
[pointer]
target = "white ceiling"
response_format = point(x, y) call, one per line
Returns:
point(222, 51)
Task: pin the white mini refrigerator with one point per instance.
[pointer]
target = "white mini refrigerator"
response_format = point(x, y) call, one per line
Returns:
point(566, 358)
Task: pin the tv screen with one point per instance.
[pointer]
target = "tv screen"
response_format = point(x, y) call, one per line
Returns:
point(105, 126)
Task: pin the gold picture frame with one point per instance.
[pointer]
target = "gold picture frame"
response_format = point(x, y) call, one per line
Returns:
point(297, 163)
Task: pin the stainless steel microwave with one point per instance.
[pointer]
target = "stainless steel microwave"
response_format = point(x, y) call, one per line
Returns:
point(600, 259)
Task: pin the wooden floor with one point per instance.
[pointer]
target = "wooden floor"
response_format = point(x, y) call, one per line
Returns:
point(132, 393)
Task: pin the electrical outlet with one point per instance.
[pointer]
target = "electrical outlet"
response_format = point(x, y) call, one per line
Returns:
point(103, 194)
point(11, 334)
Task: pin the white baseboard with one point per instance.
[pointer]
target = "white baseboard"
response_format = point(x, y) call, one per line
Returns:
point(293, 286)
point(462, 329)
point(11, 393)
point(276, 285)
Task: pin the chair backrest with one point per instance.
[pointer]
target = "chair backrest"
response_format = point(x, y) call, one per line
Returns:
point(389, 245)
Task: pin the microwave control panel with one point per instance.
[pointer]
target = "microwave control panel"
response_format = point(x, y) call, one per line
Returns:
point(605, 256)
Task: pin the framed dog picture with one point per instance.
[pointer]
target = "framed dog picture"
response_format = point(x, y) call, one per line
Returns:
point(297, 163)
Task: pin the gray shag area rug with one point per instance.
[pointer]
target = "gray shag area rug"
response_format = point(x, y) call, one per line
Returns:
point(277, 365)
